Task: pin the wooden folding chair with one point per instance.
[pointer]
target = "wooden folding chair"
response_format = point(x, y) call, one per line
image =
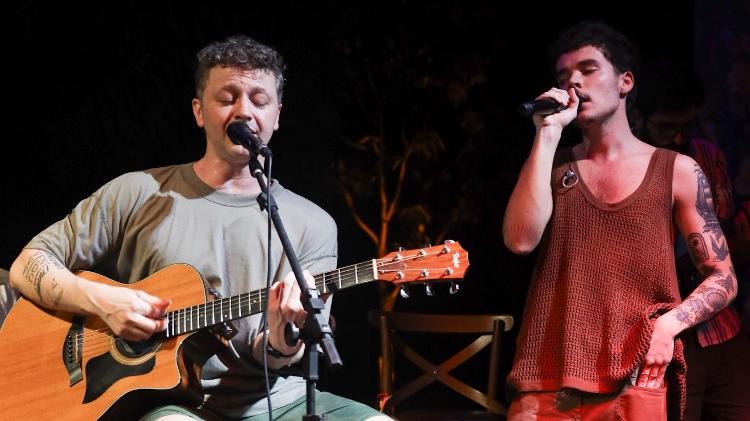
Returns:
point(488, 327)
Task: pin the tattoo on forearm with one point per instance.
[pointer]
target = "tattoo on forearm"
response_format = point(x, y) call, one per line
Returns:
point(701, 304)
point(683, 316)
point(727, 283)
point(694, 310)
point(715, 297)
point(36, 270)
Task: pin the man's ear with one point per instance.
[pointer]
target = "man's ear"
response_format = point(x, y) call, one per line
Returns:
point(198, 112)
point(276, 123)
point(627, 82)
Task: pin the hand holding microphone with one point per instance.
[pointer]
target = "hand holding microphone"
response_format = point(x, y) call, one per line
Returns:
point(551, 102)
point(541, 106)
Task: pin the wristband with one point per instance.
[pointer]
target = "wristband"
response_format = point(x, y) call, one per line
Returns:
point(275, 352)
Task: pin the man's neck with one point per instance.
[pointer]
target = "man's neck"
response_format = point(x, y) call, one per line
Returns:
point(608, 141)
point(223, 176)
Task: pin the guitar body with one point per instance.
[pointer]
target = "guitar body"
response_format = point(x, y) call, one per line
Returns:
point(58, 365)
point(41, 354)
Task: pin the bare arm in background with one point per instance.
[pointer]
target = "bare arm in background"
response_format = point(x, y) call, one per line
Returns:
point(697, 222)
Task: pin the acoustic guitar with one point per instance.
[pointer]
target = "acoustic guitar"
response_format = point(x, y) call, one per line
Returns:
point(64, 366)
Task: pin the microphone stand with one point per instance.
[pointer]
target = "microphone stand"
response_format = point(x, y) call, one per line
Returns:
point(316, 329)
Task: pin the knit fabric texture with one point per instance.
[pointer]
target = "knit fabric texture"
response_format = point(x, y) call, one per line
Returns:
point(604, 273)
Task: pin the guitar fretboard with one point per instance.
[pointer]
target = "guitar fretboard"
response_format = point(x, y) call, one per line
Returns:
point(222, 310)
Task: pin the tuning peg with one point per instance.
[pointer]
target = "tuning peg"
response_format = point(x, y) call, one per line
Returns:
point(404, 292)
point(454, 288)
point(428, 290)
point(401, 248)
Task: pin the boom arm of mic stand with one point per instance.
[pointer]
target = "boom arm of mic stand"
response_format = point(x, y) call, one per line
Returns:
point(316, 329)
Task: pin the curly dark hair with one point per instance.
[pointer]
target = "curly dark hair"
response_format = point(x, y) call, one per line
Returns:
point(242, 52)
point(615, 46)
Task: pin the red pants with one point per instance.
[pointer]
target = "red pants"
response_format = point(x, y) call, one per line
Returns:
point(632, 403)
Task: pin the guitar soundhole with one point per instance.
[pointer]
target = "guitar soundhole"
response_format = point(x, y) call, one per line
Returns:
point(133, 349)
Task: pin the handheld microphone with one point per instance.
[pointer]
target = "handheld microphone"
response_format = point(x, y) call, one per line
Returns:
point(545, 106)
point(239, 133)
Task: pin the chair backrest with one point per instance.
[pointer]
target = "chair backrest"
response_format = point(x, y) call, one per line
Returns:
point(488, 327)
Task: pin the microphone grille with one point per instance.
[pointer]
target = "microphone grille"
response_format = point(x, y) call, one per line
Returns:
point(526, 109)
point(237, 130)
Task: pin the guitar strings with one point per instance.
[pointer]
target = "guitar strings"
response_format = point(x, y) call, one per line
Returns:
point(92, 340)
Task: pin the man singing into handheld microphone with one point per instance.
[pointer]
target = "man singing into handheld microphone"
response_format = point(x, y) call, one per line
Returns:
point(599, 334)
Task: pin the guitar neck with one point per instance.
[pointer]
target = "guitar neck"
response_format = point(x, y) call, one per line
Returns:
point(222, 310)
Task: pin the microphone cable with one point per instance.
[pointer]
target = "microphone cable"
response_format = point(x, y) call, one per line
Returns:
point(264, 317)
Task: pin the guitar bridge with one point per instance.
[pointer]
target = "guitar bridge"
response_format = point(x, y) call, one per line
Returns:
point(72, 352)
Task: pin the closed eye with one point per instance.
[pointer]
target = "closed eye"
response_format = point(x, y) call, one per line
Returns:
point(260, 100)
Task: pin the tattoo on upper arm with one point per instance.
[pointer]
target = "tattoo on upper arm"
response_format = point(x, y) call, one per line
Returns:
point(721, 249)
point(704, 205)
point(711, 298)
point(697, 248)
point(36, 270)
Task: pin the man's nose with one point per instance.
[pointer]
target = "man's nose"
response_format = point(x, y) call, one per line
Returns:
point(244, 109)
point(575, 79)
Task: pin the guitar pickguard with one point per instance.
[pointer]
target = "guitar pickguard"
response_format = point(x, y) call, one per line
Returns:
point(124, 359)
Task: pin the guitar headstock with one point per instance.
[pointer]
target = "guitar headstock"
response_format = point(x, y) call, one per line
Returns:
point(445, 262)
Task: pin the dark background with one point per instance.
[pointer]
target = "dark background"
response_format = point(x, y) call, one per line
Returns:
point(93, 92)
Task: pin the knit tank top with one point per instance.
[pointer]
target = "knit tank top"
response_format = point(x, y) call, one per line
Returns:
point(604, 273)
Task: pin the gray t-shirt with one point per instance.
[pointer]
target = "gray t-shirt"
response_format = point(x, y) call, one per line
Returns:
point(143, 221)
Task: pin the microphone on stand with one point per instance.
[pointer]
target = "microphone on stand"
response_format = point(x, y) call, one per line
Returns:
point(239, 133)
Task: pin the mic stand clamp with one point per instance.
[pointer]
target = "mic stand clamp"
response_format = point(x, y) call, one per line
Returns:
point(316, 330)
